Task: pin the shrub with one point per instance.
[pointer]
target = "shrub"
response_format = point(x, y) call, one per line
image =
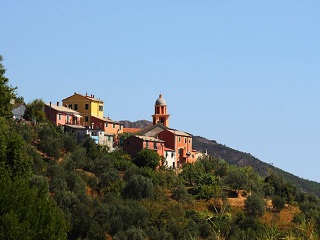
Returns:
point(254, 205)
point(278, 203)
point(147, 158)
point(180, 193)
point(138, 187)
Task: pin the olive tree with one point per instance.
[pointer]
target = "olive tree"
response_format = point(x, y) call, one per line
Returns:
point(147, 158)
point(255, 205)
point(7, 93)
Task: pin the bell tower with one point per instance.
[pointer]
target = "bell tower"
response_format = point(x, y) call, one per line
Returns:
point(160, 112)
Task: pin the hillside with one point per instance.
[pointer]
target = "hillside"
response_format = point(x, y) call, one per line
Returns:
point(55, 186)
point(242, 159)
point(238, 158)
point(137, 124)
point(98, 194)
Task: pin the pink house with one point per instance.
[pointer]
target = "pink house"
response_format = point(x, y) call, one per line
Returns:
point(60, 115)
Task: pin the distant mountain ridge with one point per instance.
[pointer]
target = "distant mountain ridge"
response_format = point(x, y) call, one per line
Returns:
point(238, 158)
point(138, 124)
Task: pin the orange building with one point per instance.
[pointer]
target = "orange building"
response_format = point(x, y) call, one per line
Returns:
point(181, 142)
point(110, 127)
point(107, 125)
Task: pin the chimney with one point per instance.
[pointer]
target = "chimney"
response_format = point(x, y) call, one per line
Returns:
point(50, 104)
point(58, 104)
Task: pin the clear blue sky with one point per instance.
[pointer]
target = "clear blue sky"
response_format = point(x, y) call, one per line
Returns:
point(244, 73)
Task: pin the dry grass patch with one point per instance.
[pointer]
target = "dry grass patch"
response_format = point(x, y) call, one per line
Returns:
point(282, 219)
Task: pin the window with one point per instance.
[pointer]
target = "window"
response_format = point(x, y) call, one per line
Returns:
point(155, 145)
point(109, 139)
point(185, 140)
point(100, 108)
point(120, 127)
point(179, 139)
point(86, 106)
point(147, 144)
point(189, 140)
point(70, 106)
point(86, 119)
point(114, 125)
point(106, 124)
point(75, 106)
point(180, 151)
point(59, 116)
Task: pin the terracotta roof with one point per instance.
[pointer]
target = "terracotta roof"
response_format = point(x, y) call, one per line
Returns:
point(62, 109)
point(146, 138)
point(180, 133)
point(74, 126)
point(104, 119)
point(90, 97)
point(131, 130)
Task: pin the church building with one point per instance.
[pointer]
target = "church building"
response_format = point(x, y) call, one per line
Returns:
point(177, 144)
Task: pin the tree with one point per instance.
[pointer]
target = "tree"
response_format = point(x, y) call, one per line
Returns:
point(254, 205)
point(34, 111)
point(27, 212)
point(92, 150)
point(50, 140)
point(132, 234)
point(180, 193)
point(236, 179)
point(192, 173)
point(12, 150)
point(138, 187)
point(147, 158)
point(7, 93)
point(278, 203)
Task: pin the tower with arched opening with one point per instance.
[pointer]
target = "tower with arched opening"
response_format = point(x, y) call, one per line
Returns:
point(160, 112)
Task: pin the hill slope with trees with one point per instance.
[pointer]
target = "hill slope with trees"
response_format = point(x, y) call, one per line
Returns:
point(238, 158)
point(242, 159)
point(55, 187)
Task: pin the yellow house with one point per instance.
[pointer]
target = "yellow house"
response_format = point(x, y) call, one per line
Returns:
point(86, 105)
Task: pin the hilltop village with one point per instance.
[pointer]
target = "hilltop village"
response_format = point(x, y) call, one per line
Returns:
point(83, 116)
point(54, 188)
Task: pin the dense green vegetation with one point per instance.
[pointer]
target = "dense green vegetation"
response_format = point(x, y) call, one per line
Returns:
point(241, 159)
point(53, 187)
